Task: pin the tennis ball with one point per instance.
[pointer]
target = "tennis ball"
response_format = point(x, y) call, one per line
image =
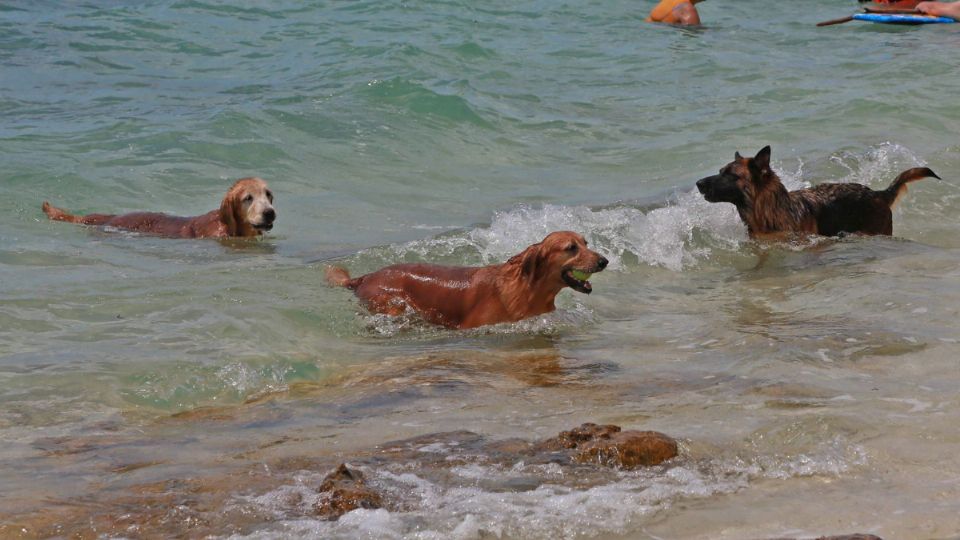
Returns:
point(580, 275)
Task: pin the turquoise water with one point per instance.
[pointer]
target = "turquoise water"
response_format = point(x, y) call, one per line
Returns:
point(822, 376)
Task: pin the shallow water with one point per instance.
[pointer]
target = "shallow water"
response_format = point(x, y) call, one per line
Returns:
point(187, 387)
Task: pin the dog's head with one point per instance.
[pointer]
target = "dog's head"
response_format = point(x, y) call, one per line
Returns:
point(247, 209)
point(562, 259)
point(740, 180)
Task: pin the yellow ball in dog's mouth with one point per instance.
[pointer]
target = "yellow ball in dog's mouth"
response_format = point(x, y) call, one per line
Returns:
point(580, 275)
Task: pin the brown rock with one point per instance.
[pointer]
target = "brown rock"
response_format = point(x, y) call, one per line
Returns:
point(577, 436)
point(342, 491)
point(608, 445)
point(628, 449)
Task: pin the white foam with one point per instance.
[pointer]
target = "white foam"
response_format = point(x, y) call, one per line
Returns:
point(552, 509)
point(878, 166)
point(661, 237)
point(677, 235)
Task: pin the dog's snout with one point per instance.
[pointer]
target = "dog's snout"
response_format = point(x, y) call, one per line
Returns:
point(702, 184)
point(602, 263)
point(269, 215)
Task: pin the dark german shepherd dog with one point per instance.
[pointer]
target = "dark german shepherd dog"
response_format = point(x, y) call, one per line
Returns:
point(768, 209)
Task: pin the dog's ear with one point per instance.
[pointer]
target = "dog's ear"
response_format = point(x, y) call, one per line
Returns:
point(762, 160)
point(528, 260)
point(737, 156)
point(531, 261)
point(229, 211)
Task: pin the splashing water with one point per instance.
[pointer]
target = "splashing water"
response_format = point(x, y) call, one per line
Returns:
point(878, 166)
point(551, 509)
point(682, 232)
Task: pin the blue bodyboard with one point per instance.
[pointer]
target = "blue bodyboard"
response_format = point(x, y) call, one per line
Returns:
point(901, 19)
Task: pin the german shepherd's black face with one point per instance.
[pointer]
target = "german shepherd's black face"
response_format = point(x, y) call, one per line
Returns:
point(738, 181)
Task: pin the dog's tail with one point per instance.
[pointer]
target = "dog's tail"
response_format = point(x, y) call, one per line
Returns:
point(59, 214)
point(899, 186)
point(339, 277)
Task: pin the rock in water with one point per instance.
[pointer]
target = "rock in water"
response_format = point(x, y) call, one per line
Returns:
point(628, 449)
point(610, 446)
point(344, 490)
point(577, 436)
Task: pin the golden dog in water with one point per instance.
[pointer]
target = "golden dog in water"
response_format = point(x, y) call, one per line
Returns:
point(467, 297)
point(246, 210)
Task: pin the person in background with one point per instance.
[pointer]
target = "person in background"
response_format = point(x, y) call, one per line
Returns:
point(676, 12)
point(896, 4)
point(940, 9)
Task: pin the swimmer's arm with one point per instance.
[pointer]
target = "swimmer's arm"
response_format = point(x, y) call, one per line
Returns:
point(686, 14)
point(940, 9)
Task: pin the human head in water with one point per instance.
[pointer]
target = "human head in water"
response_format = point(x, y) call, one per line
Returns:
point(676, 12)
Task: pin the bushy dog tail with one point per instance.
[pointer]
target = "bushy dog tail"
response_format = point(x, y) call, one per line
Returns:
point(899, 186)
point(58, 214)
point(339, 277)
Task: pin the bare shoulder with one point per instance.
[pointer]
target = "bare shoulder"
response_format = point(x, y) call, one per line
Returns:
point(686, 13)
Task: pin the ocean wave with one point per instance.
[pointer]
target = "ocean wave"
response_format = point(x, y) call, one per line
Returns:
point(877, 166)
point(679, 233)
point(676, 234)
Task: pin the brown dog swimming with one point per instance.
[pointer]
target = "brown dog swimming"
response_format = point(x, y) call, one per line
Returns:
point(467, 297)
point(246, 210)
point(768, 209)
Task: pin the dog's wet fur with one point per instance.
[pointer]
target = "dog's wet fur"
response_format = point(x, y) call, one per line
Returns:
point(471, 296)
point(768, 209)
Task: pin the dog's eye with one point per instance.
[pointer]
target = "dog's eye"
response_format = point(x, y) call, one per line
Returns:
point(248, 198)
point(572, 248)
point(270, 195)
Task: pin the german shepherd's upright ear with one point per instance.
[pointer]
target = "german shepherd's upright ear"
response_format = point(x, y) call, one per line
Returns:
point(761, 164)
